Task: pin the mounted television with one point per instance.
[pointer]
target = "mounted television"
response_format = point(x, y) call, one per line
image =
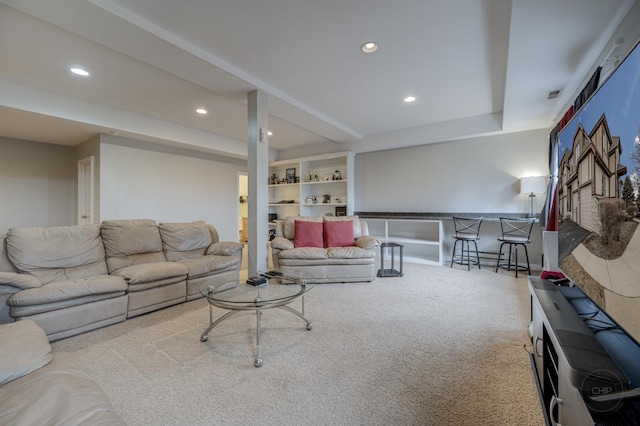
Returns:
point(598, 173)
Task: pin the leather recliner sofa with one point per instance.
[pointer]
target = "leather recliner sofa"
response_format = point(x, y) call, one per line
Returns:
point(72, 279)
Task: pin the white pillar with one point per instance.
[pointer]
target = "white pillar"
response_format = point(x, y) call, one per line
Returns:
point(258, 172)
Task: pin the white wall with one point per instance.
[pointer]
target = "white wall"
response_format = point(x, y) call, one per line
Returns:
point(37, 184)
point(479, 175)
point(141, 180)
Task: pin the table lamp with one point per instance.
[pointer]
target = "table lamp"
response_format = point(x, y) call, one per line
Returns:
point(533, 185)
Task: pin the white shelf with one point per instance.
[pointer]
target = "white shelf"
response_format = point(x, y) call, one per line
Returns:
point(320, 165)
point(325, 182)
point(422, 239)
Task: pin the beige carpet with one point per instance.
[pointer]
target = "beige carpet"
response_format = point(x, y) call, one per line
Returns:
point(438, 346)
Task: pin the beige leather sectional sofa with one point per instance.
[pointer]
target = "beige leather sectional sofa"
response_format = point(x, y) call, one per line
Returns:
point(72, 279)
point(352, 262)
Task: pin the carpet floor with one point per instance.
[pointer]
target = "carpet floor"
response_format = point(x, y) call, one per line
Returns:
point(439, 346)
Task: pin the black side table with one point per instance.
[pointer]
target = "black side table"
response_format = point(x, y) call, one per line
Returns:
point(391, 272)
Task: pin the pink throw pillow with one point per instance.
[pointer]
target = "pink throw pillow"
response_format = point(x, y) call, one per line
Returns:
point(307, 234)
point(338, 233)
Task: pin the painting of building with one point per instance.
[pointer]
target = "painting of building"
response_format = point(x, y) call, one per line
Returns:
point(589, 173)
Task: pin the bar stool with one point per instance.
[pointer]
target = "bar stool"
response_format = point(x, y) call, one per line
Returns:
point(466, 230)
point(515, 232)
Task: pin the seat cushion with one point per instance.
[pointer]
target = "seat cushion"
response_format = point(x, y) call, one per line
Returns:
point(67, 290)
point(207, 265)
point(350, 253)
point(152, 272)
point(304, 253)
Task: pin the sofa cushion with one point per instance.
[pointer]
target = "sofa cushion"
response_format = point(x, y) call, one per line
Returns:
point(60, 393)
point(289, 225)
point(25, 348)
point(308, 234)
point(131, 242)
point(338, 233)
point(152, 272)
point(355, 220)
point(57, 252)
point(184, 240)
point(350, 253)
point(304, 253)
point(207, 265)
point(67, 290)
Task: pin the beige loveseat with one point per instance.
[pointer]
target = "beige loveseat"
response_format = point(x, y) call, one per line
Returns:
point(72, 279)
point(41, 388)
point(352, 261)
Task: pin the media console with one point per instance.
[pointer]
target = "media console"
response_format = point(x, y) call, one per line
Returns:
point(587, 368)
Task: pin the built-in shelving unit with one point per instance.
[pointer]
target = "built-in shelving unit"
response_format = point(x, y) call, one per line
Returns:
point(316, 176)
point(422, 239)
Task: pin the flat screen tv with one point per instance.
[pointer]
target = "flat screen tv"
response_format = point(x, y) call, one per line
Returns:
point(596, 192)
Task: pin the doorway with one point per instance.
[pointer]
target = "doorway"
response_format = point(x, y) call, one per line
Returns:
point(85, 191)
point(243, 207)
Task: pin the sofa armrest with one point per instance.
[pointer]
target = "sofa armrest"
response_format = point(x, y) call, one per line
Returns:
point(25, 348)
point(225, 248)
point(281, 243)
point(20, 281)
point(367, 242)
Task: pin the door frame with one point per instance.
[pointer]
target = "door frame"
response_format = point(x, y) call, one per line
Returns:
point(85, 190)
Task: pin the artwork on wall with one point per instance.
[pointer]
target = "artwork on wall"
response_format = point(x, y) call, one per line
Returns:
point(291, 175)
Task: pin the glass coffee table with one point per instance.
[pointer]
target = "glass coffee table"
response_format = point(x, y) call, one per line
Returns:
point(278, 292)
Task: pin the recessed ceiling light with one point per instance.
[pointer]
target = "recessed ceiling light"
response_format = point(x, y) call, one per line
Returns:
point(79, 71)
point(409, 99)
point(201, 111)
point(369, 47)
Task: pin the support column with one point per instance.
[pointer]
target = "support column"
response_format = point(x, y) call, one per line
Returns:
point(258, 172)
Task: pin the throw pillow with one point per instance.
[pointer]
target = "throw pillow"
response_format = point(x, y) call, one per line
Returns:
point(338, 233)
point(25, 348)
point(308, 234)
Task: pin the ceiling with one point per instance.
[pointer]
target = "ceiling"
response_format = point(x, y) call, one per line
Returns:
point(477, 68)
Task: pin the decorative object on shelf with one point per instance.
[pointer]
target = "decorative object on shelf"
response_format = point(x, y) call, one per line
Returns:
point(327, 198)
point(283, 180)
point(341, 210)
point(273, 180)
point(311, 199)
point(273, 217)
point(286, 202)
point(533, 185)
point(337, 200)
point(297, 179)
point(337, 175)
point(243, 199)
point(291, 175)
point(326, 178)
point(328, 214)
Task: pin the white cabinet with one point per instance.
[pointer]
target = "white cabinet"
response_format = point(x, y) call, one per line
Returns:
point(321, 183)
point(422, 238)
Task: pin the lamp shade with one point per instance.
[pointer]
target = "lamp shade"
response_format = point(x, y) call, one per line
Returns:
point(533, 184)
